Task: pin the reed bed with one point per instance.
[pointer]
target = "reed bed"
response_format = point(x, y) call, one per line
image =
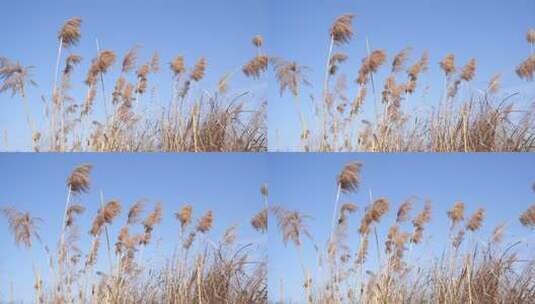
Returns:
point(132, 117)
point(114, 269)
point(386, 267)
point(385, 115)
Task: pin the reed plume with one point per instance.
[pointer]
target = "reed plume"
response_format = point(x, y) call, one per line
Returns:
point(135, 212)
point(419, 223)
point(336, 59)
point(341, 31)
point(198, 70)
point(291, 224)
point(69, 34)
point(526, 68)
point(475, 221)
point(448, 64)
point(80, 180)
point(260, 221)
point(349, 178)
point(256, 66)
point(104, 216)
point(530, 36)
point(14, 77)
point(373, 214)
point(468, 71)
point(75, 209)
point(23, 226)
point(99, 66)
point(177, 65)
point(290, 75)
point(456, 214)
point(265, 191)
point(155, 62)
point(527, 218)
point(129, 60)
point(370, 64)
point(205, 223)
point(497, 233)
point(400, 59)
point(184, 216)
point(258, 41)
point(403, 211)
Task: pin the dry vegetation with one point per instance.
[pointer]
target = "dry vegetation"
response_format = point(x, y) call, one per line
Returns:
point(385, 268)
point(134, 117)
point(199, 270)
point(464, 119)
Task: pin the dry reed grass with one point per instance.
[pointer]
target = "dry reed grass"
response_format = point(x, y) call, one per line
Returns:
point(464, 119)
point(470, 269)
point(128, 119)
point(200, 270)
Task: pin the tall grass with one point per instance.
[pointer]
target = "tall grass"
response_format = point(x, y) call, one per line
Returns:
point(114, 269)
point(134, 116)
point(385, 268)
point(375, 114)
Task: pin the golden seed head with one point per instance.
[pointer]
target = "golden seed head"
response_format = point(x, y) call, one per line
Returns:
point(260, 221)
point(177, 65)
point(184, 216)
point(69, 34)
point(448, 64)
point(456, 214)
point(256, 66)
point(205, 223)
point(341, 31)
point(349, 179)
point(79, 181)
point(527, 218)
point(199, 70)
point(258, 41)
point(530, 36)
point(475, 221)
point(469, 70)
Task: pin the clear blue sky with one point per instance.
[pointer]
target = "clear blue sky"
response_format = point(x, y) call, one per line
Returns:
point(491, 31)
point(228, 184)
point(219, 30)
point(499, 183)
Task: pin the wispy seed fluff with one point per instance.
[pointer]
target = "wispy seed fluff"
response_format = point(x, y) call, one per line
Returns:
point(456, 214)
point(526, 68)
point(258, 41)
point(256, 66)
point(527, 218)
point(260, 221)
point(341, 30)
point(370, 64)
point(199, 70)
point(349, 178)
point(100, 65)
point(205, 223)
point(448, 64)
point(530, 36)
point(373, 214)
point(177, 65)
point(129, 60)
point(403, 211)
point(399, 59)
point(105, 216)
point(475, 221)
point(469, 70)
point(184, 216)
point(79, 181)
point(135, 212)
point(264, 190)
point(69, 34)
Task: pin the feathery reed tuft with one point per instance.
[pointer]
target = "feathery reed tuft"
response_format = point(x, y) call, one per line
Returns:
point(184, 216)
point(475, 221)
point(530, 36)
point(448, 64)
point(260, 221)
point(341, 31)
point(79, 181)
point(205, 223)
point(258, 41)
point(198, 71)
point(69, 34)
point(135, 212)
point(456, 214)
point(22, 225)
point(527, 218)
point(349, 179)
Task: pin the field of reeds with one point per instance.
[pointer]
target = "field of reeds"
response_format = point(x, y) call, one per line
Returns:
point(134, 118)
point(470, 267)
point(465, 118)
point(113, 269)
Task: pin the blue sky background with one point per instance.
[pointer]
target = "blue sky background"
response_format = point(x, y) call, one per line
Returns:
point(228, 184)
point(491, 31)
point(499, 183)
point(219, 30)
